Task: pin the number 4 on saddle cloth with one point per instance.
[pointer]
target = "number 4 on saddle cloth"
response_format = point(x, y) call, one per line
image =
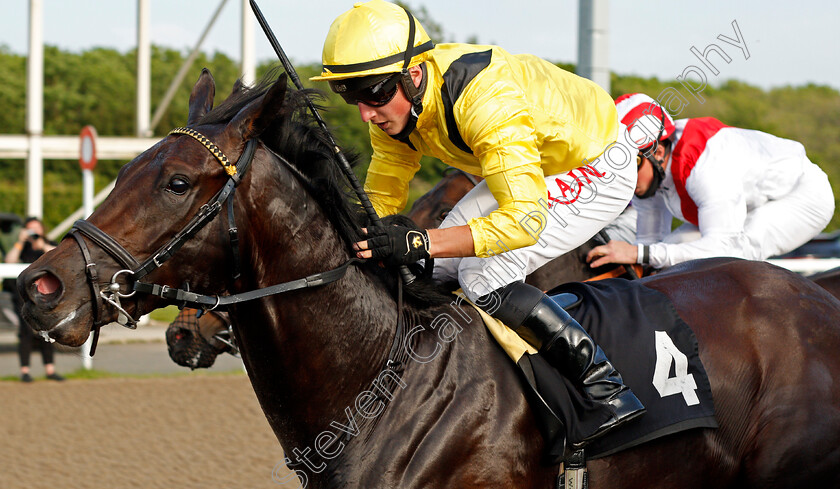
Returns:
point(648, 343)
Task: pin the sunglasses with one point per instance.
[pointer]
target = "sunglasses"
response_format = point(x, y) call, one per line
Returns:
point(375, 95)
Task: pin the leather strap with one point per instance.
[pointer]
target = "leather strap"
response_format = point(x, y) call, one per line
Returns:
point(233, 236)
point(208, 302)
point(106, 242)
point(93, 281)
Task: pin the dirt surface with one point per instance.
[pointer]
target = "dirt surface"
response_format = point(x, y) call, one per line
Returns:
point(185, 432)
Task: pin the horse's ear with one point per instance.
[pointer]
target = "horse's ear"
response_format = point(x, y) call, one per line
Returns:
point(201, 98)
point(238, 85)
point(252, 120)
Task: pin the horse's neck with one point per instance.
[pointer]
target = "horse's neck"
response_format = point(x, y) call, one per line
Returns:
point(310, 352)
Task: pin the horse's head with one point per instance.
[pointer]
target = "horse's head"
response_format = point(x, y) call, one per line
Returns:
point(432, 208)
point(195, 341)
point(79, 285)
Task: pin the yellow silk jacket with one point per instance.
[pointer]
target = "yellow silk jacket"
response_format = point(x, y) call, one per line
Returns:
point(513, 119)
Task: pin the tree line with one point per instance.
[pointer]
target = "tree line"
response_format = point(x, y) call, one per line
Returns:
point(97, 87)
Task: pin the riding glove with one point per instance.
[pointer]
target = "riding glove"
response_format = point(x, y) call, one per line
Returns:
point(398, 245)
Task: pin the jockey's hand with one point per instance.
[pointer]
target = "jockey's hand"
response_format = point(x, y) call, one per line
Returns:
point(612, 252)
point(396, 245)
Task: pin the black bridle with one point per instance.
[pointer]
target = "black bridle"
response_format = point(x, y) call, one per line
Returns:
point(136, 270)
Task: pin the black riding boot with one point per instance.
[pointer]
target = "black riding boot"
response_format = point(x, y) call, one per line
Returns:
point(567, 347)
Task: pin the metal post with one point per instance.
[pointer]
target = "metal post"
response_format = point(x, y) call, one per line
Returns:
point(182, 72)
point(593, 41)
point(35, 111)
point(249, 63)
point(87, 204)
point(87, 161)
point(144, 70)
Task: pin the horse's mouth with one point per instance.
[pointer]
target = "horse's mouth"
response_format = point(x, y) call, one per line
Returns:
point(61, 327)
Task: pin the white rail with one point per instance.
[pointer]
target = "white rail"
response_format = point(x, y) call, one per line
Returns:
point(67, 147)
point(806, 266)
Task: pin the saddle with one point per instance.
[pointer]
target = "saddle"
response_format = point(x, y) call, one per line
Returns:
point(655, 351)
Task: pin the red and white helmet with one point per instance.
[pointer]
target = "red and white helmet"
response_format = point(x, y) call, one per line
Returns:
point(646, 120)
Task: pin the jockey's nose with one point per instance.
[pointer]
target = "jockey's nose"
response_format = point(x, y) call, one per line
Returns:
point(366, 111)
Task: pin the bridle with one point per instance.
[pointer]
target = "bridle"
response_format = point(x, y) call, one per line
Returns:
point(185, 298)
point(136, 270)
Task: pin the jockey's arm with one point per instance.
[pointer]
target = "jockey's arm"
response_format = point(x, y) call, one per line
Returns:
point(456, 241)
point(721, 213)
point(653, 223)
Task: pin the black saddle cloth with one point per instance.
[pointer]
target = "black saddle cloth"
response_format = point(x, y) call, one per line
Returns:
point(653, 349)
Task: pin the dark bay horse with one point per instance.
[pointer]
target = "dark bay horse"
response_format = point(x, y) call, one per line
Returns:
point(829, 280)
point(196, 346)
point(455, 415)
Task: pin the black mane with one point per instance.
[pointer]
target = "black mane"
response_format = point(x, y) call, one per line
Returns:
point(298, 138)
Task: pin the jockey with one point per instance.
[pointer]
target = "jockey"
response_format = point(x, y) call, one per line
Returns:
point(524, 125)
point(739, 192)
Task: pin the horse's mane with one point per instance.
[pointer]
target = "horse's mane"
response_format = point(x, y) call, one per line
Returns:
point(297, 137)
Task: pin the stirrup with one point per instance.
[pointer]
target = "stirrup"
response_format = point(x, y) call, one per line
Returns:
point(574, 475)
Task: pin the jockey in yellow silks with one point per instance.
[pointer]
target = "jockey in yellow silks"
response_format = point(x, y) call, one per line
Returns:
point(547, 142)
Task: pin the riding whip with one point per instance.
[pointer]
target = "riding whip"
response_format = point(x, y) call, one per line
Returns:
point(406, 275)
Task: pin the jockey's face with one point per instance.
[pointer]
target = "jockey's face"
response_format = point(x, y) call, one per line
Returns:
point(645, 179)
point(393, 116)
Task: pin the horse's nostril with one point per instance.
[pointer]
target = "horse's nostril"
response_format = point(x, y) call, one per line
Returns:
point(47, 284)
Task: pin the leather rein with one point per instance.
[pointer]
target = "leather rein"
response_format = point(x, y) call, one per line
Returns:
point(136, 270)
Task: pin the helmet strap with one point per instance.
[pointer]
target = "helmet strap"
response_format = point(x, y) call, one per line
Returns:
point(657, 164)
point(652, 150)
point(415, 110)
point(413, 93)
point(658, 173)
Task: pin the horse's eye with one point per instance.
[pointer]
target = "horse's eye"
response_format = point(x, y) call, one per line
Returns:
point(178, 186)
point(444, 213)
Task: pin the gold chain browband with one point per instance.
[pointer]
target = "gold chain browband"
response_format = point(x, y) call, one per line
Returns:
point(229, 168)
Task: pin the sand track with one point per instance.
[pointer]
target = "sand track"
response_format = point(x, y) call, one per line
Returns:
point(184, 432)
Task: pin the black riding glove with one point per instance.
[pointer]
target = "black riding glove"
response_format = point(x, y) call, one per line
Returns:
point(398, 245)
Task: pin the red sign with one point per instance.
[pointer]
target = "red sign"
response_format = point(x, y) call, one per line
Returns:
point(87, 148)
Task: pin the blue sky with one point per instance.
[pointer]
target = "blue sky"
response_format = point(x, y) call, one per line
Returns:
point(789, 43)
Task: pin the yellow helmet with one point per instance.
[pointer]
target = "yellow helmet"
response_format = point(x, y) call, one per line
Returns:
point(373, 38)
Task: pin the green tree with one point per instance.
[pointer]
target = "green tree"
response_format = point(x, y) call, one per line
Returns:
point(98, 87)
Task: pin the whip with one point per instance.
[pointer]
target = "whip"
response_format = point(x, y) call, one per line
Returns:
point(406, 275)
